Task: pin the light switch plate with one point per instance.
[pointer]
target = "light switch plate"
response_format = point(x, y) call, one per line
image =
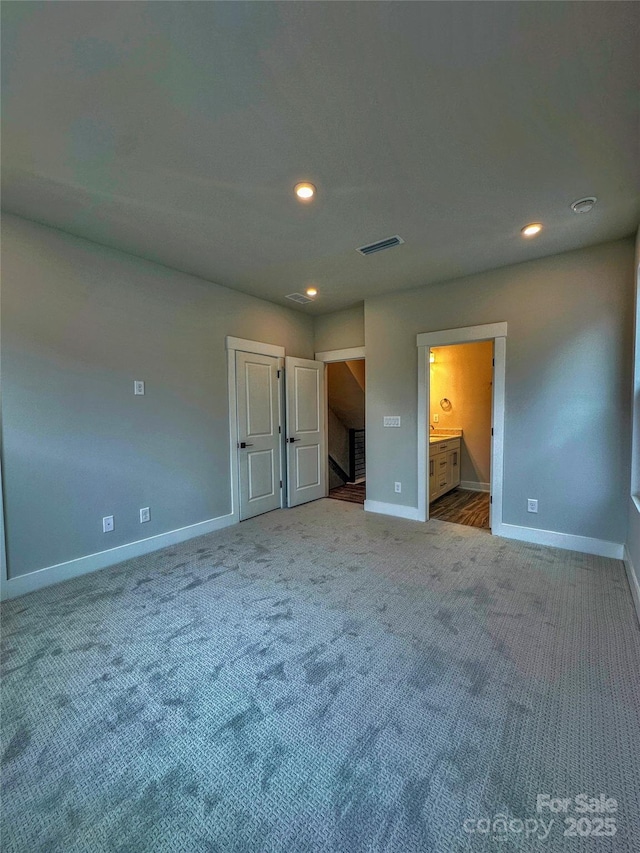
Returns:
point(107, 524)
point(391, 420)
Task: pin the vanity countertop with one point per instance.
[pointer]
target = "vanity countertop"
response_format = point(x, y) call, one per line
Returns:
point(436, 437)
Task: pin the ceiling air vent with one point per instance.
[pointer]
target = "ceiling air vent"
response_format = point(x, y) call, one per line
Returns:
point(298, 297)
point(389, 243)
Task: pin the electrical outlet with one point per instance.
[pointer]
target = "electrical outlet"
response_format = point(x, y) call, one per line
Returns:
point(144, 515)
point(398, 487)
point(436, 419)
point(138, 387)
point(107, 524)
point(532, 505)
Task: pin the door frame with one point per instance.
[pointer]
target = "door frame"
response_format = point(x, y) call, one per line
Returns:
point(496, 332)
point(328, 356)
point(4, 569)
point(232, 346)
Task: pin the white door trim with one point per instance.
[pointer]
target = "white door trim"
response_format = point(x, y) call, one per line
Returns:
point(255, 347)
point(258, 348)
point(4, 577)
point(350, 354)
point(465, 335)
point(445, 337)
point(497, 422)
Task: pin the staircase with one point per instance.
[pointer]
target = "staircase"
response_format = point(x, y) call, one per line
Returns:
point(357, 462)
point(337, 475)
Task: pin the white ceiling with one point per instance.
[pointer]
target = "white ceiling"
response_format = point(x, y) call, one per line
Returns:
point(177, 130)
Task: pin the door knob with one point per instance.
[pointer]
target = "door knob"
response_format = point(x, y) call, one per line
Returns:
point(244, 444)
point(293, 439)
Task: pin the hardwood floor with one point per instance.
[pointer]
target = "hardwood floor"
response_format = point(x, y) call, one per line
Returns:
point(462, 506)
point(353, 492)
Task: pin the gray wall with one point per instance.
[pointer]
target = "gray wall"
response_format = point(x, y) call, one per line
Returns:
point(80, 322)
point(340, 330)
point(567, 430)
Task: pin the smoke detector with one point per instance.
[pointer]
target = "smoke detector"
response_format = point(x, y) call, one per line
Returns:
point(584, 205)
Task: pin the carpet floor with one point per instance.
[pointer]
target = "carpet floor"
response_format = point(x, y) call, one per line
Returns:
point(462, 506)
point(324, 679)
point(354, 493)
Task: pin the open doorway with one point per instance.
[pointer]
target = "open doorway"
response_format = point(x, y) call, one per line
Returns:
point(346, 430)
point(495, 333)
point(460, 413)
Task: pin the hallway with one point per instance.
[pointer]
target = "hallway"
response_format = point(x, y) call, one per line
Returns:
point(355, 493)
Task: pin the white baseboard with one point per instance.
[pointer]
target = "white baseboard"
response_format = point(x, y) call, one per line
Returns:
point(410, 512)
point(475, 487)
point(584, 544)
point(32, 581)
point(567, 541)
point(634, 583)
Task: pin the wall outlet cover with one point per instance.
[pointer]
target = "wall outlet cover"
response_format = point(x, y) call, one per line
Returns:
point(138, 387)
point(398, 487)
point(145, 515)
point(532, 505)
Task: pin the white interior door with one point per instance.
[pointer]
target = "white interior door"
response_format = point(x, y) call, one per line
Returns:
point(258, 433)
point(306, 440)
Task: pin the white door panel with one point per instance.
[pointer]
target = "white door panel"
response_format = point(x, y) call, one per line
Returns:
point(261, 474)
point(305, 430)
point(307, 466)
point(307, 399)
point(259, 393)
point(258, 433)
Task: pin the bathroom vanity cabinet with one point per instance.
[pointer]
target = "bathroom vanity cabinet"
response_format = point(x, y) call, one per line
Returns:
point(444, 465)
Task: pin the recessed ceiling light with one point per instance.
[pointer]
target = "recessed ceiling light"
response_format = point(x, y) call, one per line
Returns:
point(584, 205)
point(311, 291)
point(300, 298)
point(305, 191)
point(531, 229)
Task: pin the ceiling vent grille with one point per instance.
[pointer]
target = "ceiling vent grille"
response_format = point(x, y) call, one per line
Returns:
point(389, 243)
point(298, 297)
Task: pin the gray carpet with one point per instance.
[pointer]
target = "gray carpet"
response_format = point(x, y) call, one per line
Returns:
point(323, 679)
